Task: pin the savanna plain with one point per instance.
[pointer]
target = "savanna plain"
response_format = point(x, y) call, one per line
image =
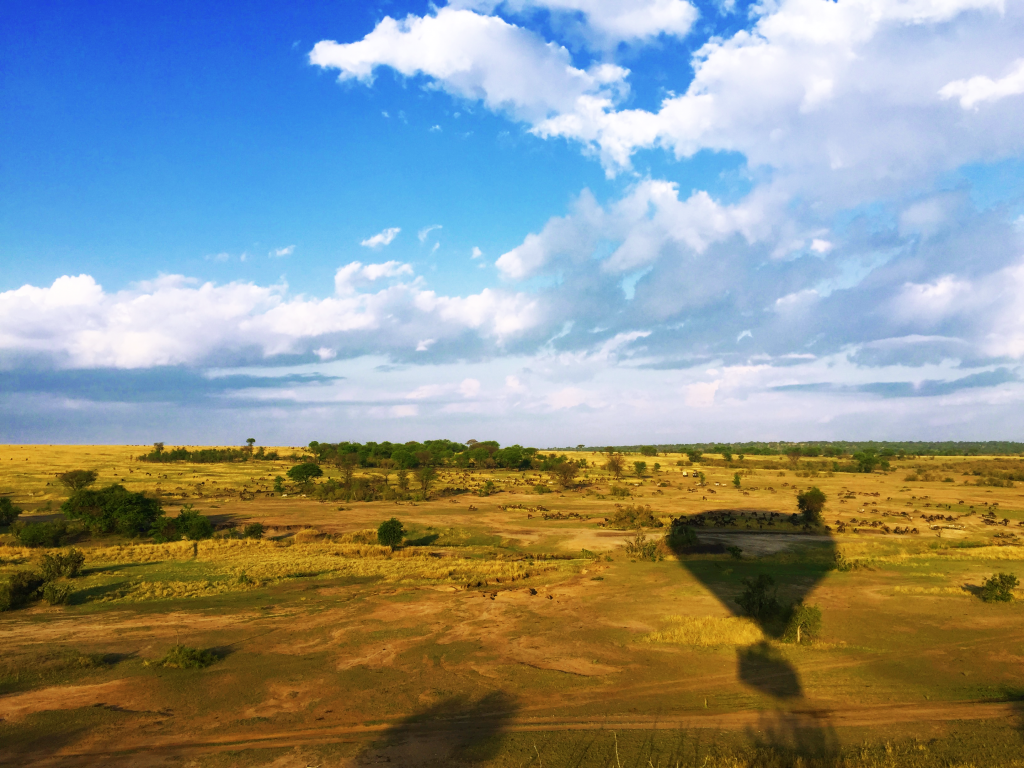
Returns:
point(683, 613)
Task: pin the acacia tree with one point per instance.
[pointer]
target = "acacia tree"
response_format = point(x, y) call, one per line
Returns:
point(386, 465)
point(566, 472)
point(77, 479)
point(616, 464)
point(810, 503)
point(639, 467)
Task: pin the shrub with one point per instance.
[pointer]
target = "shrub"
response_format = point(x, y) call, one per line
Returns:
point(8, 512)
point(541, 489)
point(803, 624)
point(681, 535)
point(253, 531)
point(390, 533)
point(57, 592)
point(67, 564)
point(810, 503)
point(19, 589)
point(186, 657)
point(999, 588)
point(633, 516)
point(303, 473)
point(641, 548)
point(487, 489)
point(189, 524)
point(619, 492)
point(113, 509)
point(760, 597)
point(41, 534)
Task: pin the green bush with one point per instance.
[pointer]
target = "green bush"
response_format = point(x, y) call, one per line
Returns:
point(999, 588)
point(253, 531)
point(642, 549)
point(803, 624)
point(541, 488)
point(57, 592)
point(41, 534)
point(760, 597)
point(390, 533)
point(633, 515)
point(619, 492)
point(19, 589)
point(186, 657)
point(192, 525)
point(8, 512)
point(68, 564)
point(113, 509)
point(189, 524)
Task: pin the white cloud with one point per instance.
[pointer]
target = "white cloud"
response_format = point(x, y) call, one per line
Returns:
point(278, 253)
point(701, 394)
point(425, 232)
point(477, 57)
point(606, 22)
point(469, 388)
point(981, 89)
point(477, 253)
point(513, 383)
point(382, 238)
point(821, 246)
point(176, 320)
point(355, 273)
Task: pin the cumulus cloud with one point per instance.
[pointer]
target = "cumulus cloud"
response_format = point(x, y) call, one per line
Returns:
point(177, 320)
point(479, 57)
point(980, 89)
point(288, 250)
point(382, 238)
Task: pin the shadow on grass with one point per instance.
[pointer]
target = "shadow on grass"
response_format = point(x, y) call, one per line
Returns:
point(762, 666)
point(423, 541)
point(456, 731)
point(82, 596)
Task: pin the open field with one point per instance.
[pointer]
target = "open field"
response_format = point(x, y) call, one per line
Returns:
point(513, 629)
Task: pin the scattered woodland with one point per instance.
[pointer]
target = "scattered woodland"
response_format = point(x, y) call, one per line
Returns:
point(445, 603)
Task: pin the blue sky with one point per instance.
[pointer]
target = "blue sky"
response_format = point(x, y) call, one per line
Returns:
point(540, 221)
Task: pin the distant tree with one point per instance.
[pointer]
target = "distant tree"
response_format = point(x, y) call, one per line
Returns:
point(736, 480)
point(657, 467)
point(47, 534)
point(580, 447)
point(58, 564)
point(424, 457)
point(77, 479)
point(727, 455)
point(253, 531)
point(303, 473)
point(279, 484)
point(648, 450)
point(794, 453)
point(386, 467)
point(425, 476)
point(615, 464)
point(566, 472)
point(402, 479)
point(8, 512)
point(810, 503)
point(694, 455)
point(639, 467)
point(158, 448)
point(999, 588)
point(250, 442)
point(741, 457)
point(347, 464)
point(390, 533)
point(866, 460)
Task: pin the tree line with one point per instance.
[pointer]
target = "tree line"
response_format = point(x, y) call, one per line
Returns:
point(831, 449)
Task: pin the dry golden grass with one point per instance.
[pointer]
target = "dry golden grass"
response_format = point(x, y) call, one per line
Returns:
point(708, 632)
point(234, 565)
